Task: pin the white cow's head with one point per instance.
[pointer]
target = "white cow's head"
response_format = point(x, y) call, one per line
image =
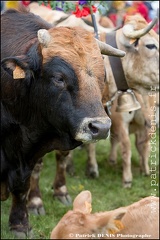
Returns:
point(141, 44)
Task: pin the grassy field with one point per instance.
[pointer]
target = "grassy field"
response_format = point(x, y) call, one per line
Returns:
point(107, 191)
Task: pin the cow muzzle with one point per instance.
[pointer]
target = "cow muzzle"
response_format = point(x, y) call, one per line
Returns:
point(93, 129)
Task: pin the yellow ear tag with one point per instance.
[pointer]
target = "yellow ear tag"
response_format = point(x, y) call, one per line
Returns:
point(88, 207)
point(118, 226)
point(18, 73)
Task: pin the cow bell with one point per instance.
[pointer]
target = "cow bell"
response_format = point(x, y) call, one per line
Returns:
point(127, 101)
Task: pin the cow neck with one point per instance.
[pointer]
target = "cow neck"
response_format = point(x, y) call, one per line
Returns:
point(116, 64)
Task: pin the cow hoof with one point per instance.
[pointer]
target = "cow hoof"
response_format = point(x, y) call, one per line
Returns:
point(112, 162)
point(62, 195)
point(37, 210)
point(35, 206)
point(145, 173)
point(92, 171)
point(65, 199)
point(127, 184)
point(21, 234)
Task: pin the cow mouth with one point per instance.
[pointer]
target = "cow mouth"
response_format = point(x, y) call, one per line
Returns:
point(89, 130)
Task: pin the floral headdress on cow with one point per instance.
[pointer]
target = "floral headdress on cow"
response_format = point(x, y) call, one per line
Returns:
point(78, 8)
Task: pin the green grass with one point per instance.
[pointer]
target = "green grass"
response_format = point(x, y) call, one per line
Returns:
point(107, 191)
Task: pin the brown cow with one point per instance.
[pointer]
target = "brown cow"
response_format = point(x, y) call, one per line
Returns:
point(141, 55)
point(48, 76)
point(136, 221)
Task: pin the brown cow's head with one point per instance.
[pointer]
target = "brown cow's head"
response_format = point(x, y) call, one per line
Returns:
point(68, 91)
point(141, 43)
point(80, 51)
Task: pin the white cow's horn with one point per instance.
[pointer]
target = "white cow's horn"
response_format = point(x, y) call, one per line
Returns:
point(43, 37)
point(109, 50)
point(128, 29)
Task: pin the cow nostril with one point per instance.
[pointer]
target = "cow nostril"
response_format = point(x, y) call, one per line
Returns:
point(93, 129)
point(99, 129)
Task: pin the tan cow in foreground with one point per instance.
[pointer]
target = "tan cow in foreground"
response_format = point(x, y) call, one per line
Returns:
point(136, 221)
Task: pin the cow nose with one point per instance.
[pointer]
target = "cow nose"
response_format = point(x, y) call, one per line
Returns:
point(99, 130)
point(93, 129)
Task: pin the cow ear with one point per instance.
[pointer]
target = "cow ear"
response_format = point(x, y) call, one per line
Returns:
point(115, 225)
point(14, 67)
point(109, 220)
point(82, 202)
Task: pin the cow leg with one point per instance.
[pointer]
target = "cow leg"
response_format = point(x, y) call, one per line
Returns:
point(4, 191)
point(126, 157)
point(69, 163)
point(113, 152)
point(120, 134)
point(34, 199)
point(122, 137)
point(143, 147)
point(18, 219)
point(92, 166)
point(59, 185)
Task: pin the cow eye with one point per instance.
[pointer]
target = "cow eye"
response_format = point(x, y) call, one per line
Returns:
point(58, 81)
point(151, 46)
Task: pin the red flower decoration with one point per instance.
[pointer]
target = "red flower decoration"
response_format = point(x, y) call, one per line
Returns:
point(48, 5)
point(25, 3)
point(85, 11)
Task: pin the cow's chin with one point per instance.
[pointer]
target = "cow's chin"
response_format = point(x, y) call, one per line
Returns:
point(65, 143)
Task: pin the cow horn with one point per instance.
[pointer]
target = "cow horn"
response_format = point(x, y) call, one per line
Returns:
point(43, 37)
point(109, 50)
point(128, 29)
